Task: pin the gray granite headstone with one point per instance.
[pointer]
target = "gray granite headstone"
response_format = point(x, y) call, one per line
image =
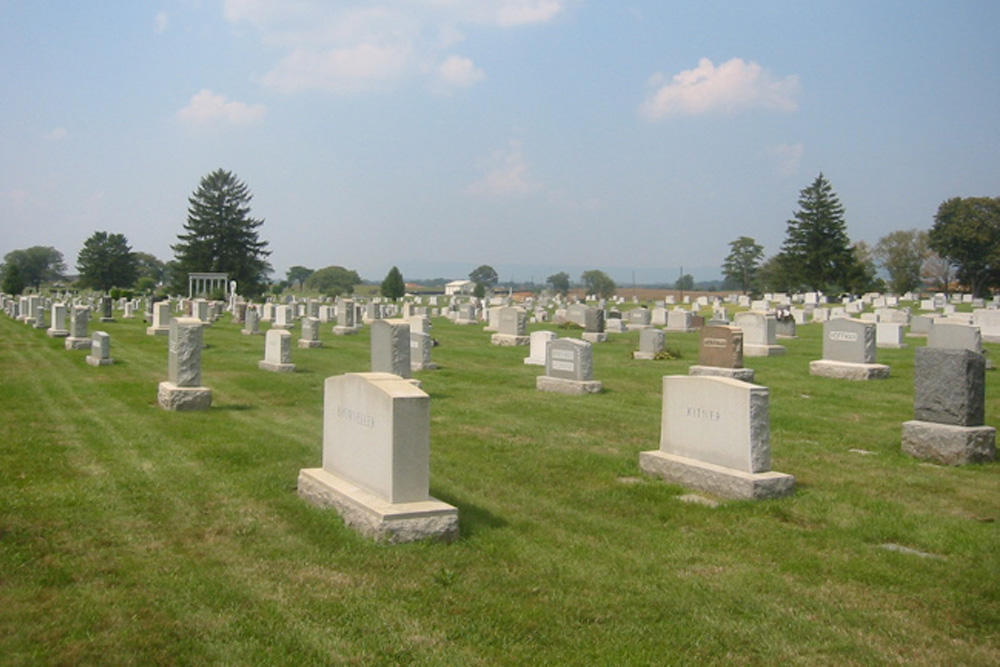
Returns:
point(390, 347)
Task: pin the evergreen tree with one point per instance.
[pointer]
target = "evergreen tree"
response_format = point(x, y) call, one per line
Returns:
point(817, 252)
point(393, 286)
point(107, 261)
point(221, 236)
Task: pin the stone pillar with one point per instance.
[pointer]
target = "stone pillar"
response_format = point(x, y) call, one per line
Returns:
point(183, 390)
point(390, 347)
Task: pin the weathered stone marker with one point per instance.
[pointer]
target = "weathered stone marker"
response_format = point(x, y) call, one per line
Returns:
point(651, 342)
point(79, 322)
point(539, 342)
point(183, 390)
point(849, 351)
point(569, 368)
point(376, 460)
point(720, 353)
point(277, 352)
point(949, 393)
point(100, 350)
point(390, 347)
point(715, 436)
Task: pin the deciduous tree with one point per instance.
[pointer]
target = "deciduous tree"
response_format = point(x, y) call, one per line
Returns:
point(966, 232)
point(559, 283)
point(902, 254)
point(298, 274)
point(485, 275)
point(598, 283)
point(37, 265)
point(333, 280)
point(745, 255)
point(221, 236)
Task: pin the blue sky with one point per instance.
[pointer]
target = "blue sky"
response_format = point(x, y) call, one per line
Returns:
point(532, 135)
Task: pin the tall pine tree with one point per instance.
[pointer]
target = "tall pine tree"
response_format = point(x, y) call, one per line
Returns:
point(817, 252)
point(221, 236)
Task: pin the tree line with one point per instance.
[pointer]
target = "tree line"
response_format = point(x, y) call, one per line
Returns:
point(961, 249)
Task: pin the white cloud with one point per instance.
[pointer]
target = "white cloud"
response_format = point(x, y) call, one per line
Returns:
point(206, 106)
point(733, 86)
point(352, 45)
point(161, 22)
point(505, 174)
point(57, 134)
point(787, 157)
point(524, 12)
point(460, 71)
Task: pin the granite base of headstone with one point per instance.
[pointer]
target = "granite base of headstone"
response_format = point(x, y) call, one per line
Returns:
point(376, 460)
point(594, 336)
point(569, 368)
point(183, 391)
point(846, 370)
point(506, 340)
point(715, 438)
point(949, 408)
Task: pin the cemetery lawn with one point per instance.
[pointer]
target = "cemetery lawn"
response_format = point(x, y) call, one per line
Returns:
point(132, 535)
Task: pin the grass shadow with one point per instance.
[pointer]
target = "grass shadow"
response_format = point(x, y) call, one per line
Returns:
point(472, 519)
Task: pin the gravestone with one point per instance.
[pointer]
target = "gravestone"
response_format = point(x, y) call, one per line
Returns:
point(988, 322)
point(161, 319)
point(390, 347)
point(954, 336)
point(512, 326)
point(949, 408)
point(539, 342)
point(277, 352)
point(849, 352)
point(569, 368)
point(310, 333)
point(890, 335)
point(79, 338)
point(239, 312)
point(679, 321)
point(651, 343)
point(58, 326)
point(593, 325)
point(639, 318)
point(784, 327)
point(760, 334)
point(251, 322)
point(283, 317)
point(346, 318)
point(100, 350)
point(466, 314)
point(107, 314)
point(421, 345)
point(720, 353)
point(920, 325)
point(376, 460)
point(715, 437)
point(183, 390)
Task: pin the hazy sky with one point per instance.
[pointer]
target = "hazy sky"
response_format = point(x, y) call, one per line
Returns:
point(531, 135)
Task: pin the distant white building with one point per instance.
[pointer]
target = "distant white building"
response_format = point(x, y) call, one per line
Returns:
point(459, 287)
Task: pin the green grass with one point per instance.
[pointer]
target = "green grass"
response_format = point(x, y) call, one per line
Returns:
point(129, 534)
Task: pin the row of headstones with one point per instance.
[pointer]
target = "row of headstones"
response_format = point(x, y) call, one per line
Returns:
point(714, 437)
